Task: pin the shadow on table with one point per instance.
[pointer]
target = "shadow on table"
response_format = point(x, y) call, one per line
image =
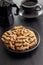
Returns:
point(20, 55)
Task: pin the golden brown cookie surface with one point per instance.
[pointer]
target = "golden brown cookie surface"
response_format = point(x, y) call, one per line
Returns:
point(19, 38)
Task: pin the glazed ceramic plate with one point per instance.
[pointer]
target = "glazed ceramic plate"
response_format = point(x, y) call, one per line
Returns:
point(38, 38)
point(30, 15)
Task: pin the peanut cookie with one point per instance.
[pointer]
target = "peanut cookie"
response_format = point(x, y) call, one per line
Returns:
point(19, 38)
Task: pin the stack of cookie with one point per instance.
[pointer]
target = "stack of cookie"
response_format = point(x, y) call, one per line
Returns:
point(19, 38)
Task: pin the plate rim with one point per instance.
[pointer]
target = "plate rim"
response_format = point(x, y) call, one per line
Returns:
point(28, 50)
point(31, 16)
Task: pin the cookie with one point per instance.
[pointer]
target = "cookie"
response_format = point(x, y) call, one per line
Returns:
point(19, 38)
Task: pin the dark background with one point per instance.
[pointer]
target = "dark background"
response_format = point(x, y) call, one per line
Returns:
point(32, 58)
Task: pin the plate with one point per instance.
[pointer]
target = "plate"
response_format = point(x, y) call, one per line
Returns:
point(33, 14)
point(29, 50)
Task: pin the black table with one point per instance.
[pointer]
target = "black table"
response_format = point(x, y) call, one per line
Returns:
point(33, 58)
